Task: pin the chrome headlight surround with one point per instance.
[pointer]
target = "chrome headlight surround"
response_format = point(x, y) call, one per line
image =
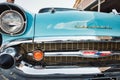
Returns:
point(12, 22)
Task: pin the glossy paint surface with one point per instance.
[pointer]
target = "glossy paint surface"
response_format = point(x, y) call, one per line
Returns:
point(68, 23)
point(77, 23)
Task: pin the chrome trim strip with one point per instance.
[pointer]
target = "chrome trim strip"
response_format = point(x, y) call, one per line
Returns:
point(71, 38)
point(58, 39)
point(77, 53)
point(15, 42)
point(85, 70)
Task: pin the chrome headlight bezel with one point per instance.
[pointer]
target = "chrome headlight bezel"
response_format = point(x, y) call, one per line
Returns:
point(19, 29)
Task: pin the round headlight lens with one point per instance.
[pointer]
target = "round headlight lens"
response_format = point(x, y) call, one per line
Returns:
point(11, 22)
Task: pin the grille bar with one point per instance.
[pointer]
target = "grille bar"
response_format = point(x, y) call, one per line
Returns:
point(72, 60)
point(73, 46)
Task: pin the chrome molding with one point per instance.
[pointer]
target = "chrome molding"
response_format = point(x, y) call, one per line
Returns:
point(58, 39)
point(50, 71)
point(77, 53)
point(72, 38)
point(15, 42)
point(71, 53)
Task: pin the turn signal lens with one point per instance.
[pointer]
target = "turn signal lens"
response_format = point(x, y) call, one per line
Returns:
point(38, 55)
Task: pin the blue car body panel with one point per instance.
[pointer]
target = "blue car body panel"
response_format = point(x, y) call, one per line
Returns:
point(69, 23)
point(76, 23)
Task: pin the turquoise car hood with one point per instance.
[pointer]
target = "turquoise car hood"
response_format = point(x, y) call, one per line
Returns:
point(76, 23)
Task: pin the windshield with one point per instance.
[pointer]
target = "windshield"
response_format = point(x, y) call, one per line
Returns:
point(35, 5)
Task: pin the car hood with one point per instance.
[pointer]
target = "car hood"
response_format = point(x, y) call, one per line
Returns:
point(76, 23)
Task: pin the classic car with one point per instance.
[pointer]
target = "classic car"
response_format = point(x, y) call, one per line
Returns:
point(58, 43)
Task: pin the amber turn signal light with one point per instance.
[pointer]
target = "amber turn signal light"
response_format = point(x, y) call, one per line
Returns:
point(38, 55)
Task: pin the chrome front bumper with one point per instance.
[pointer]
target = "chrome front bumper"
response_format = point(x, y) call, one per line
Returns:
point(73, 70)
point(75, 73)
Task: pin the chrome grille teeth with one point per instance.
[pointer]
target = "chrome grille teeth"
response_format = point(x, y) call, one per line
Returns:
point(73, 46)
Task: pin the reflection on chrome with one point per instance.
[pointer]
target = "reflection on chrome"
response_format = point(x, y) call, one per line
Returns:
point(73, 38)
point(59, 39)
point(63, 70)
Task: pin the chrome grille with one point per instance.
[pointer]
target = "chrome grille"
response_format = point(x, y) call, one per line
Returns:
point(82, 61)
point(73, 46)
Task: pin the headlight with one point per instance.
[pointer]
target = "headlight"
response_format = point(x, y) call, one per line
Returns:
point(11, 22)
